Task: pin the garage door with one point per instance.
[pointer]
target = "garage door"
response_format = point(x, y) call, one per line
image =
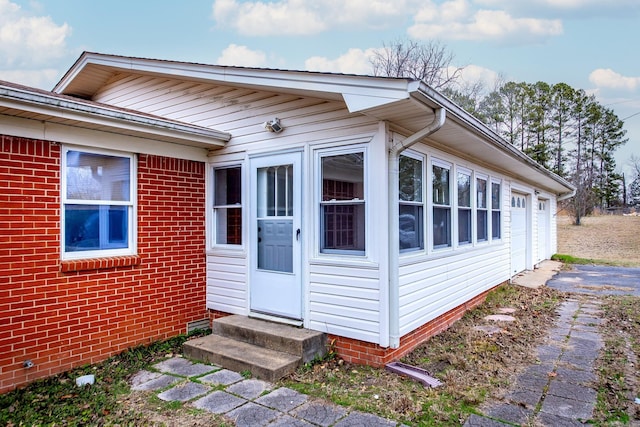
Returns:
point(518, 233)
point(543, 230)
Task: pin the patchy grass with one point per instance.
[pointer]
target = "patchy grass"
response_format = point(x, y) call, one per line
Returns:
point(568, 259)
point(617, 365)
point(58, 401)
point(474, 367)
point(605, 239)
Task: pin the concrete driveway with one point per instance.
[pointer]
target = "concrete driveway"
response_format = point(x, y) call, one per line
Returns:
point(598, 280)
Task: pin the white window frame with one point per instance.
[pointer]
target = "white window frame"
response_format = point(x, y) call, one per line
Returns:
point(499, 209)
point(469, 173)
point(321, 154)
point(215, 208)
point(432, 205)
point(131, 205)
point(423, 203)
point(478, 209)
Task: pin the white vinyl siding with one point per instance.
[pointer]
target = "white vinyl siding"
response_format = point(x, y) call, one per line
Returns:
point(227, 283)
point(345, 301)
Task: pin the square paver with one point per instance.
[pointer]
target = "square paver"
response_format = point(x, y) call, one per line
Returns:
point(219, 402)
point(512, 413)
point(575, 376)
point(320, 413)
point(222, 377)
point(250, 389)
point(567, 408)
point(283, 399)
point(572, 391)
point(250, 415)
point(184, 392)
point(528, 398)
point(548, 420)
point(184, 367)
point(479, 421)
point(289, 421)
point(145, 380)
point(359, 419)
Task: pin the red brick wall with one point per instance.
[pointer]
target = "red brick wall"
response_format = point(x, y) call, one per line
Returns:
point(365, 353)
point(60, 315)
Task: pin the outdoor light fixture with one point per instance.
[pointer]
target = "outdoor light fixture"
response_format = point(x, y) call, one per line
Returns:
point(273, 125)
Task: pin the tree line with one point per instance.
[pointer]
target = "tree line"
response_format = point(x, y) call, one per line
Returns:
point(562, 128)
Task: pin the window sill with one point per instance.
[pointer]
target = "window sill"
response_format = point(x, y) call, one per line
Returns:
point(74, 265)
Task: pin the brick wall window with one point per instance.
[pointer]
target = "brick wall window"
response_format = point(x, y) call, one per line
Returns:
point(227, 205)
point(98, 198)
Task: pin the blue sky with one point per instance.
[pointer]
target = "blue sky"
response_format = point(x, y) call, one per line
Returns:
point(588, 44)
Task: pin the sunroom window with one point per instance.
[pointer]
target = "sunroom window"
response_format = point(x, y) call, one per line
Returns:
point(481, 211)
point(464, 208)
point(342, 205)
point(98, 204)
point(227, 205)
point(441, 206)
point(495, 210)
point(411, 204)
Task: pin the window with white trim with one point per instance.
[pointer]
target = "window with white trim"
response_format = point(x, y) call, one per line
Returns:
point(342, 203)
point(464, 208)
point(441, 197)
point(495, 210)
point(98, 201)
point(411, 204)
point(481, 210)
point(227, 205)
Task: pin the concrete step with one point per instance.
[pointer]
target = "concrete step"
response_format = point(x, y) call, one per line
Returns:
point(266, 364)
point(300, 342)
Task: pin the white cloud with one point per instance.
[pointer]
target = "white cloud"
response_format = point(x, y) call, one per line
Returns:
point(27, 40)
point(44, 78)
point(242, 56)
point(460, 20)
point(355, 61)
point(302, 17)
point(608, 79)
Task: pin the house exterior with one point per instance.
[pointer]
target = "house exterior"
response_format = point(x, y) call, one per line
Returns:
point(145, 195)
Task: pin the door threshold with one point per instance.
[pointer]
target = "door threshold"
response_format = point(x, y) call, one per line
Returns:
point(276, 319)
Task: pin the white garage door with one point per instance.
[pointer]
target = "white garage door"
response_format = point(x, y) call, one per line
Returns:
point(543, 229)
point(518, 233)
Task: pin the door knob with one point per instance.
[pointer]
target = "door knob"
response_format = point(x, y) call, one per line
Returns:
point(298, 234)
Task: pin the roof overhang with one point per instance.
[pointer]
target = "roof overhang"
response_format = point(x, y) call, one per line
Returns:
point(30, 103)
point(407, 105)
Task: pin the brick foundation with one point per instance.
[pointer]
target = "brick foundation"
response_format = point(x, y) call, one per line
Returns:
point(366, 353)
point(63, 314)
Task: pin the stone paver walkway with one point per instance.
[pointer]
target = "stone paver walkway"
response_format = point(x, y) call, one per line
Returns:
point(559, 390)
point(246, 402)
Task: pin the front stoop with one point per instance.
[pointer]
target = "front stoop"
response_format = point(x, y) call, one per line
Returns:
point(268, 350)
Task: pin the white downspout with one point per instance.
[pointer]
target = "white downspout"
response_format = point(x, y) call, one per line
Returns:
point(394, 218)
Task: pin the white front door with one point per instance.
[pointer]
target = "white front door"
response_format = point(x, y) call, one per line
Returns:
point(543, 229)
point(519, 241)
point(276, 238)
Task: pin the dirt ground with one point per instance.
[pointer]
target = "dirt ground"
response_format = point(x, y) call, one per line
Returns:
point(611, 238)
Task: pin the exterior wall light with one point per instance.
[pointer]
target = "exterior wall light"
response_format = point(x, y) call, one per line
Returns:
point(273, 126)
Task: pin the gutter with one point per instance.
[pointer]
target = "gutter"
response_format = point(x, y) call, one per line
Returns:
point(566, 196)
point(394, 218)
